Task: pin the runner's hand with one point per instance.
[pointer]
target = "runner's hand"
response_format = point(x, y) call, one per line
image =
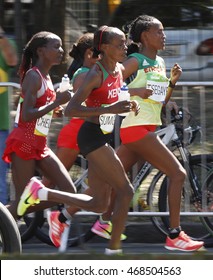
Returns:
point(135, 107)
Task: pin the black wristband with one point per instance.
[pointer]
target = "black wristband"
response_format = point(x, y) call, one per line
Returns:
point(171, 85)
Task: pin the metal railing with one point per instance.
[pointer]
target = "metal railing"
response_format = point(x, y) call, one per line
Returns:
point(10, 85)
point(152, 214)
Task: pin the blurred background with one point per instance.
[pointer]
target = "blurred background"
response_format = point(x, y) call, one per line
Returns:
point(188, 26)
point(67, 18)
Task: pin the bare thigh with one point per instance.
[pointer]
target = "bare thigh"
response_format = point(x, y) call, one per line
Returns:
point(52, 168)
point(108, 166)
point(127, 157)
point(67, 156)
point(152, 149)
point(105, 170)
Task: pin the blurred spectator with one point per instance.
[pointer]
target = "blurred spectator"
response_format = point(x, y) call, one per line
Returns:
point(8, 59)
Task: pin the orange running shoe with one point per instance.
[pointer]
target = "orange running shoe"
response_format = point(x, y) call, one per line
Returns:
point(183, 243)
point(58, 232)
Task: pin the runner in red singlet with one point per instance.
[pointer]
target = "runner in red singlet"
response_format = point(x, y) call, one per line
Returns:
point(67, 146)
point(26, 146)
point(105, 168)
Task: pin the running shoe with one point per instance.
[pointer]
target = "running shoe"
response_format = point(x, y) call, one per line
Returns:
point(58, 232)
point(183, 243)
point(104, 230)
point(29, 196)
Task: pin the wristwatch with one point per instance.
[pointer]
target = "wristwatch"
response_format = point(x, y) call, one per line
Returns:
point(171, 85)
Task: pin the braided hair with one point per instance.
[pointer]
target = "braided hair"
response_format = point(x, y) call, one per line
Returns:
point(139, 25)
point(30, 55)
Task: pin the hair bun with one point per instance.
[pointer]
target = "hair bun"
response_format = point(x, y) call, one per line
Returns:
point(96, 52)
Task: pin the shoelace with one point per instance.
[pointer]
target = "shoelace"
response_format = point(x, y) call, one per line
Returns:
point(185, 236)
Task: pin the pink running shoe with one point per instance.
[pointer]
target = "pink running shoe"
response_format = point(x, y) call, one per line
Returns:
point(104, 230)
point(29, 196)
point(58, 231)
point(183, 243)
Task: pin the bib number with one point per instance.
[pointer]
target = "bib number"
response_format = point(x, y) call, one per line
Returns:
point(159, 90)
point(107, 122)
point(43, 124)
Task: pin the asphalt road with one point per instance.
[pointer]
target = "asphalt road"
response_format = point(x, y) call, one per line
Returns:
point(143, 242)
point(130, 250)
point(146, 244)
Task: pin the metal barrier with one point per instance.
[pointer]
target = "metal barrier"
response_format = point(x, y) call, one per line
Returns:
point(152, 214)
point(10, 85)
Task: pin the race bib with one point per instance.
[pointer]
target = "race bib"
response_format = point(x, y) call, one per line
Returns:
point(159, 90)
point(107, 122)
point(43, 124)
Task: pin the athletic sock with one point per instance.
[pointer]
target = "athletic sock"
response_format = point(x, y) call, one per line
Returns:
point(174, 232)
point(102, 221)
point(43, 194)
point(64, 216)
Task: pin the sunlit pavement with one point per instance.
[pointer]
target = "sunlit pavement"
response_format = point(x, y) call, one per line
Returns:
point(146, 244)
point(92, 250)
